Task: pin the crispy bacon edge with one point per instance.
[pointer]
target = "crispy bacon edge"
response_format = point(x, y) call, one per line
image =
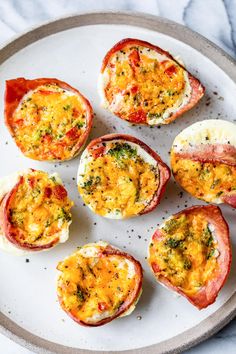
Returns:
point(131, 299)
point(9, 231)
point(163, 170)
point(206, 295)
point(198, 89)
point(16, 89)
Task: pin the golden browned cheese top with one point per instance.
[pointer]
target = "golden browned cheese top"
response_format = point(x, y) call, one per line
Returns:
point(93, 287)
point(149, 83)
point(49, 122)
point(39, 209)
point(120, 181)
point(207, 181)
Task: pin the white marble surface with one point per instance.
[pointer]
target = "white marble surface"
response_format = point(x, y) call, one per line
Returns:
point(214, 19)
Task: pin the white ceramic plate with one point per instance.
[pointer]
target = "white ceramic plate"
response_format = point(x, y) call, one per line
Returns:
point(30, 311)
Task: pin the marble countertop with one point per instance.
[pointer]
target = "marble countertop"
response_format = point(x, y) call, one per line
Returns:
point(214, 19)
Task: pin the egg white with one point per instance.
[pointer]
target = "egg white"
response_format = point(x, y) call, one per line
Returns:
point(217, 131)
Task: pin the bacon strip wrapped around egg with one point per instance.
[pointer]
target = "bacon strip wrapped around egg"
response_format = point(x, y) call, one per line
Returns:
point(48, 119)
point(34, 212)
point(203, 161)
point(99, 283)
point(143, 84)
point(190, 253)
point(119, 176)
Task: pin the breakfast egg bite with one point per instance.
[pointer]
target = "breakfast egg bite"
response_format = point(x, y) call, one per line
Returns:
point(190, 253)
point(119, 176)
point(34, 212)
point(203, 161)
point(48, 119)
point(99, 283)
point(143, 84)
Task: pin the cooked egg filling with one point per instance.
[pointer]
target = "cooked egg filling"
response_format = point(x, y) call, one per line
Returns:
point(141, 85)
point(93, 287)
point(121, 182)
point(49, 122)
point(186, 252)
point(208, 181)
point(39, 209)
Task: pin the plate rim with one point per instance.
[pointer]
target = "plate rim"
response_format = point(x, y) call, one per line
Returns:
point(225, 313)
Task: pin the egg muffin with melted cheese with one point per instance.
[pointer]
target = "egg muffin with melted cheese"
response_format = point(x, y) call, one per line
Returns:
point(143, 84)
point(119, 176)
point(48, 119)
point(34, 212)
point(190, 253)
point(99, 283)
point(203, 160)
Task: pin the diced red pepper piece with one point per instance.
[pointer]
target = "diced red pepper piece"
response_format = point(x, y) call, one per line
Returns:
point(102, 306)
point(138, 117)
point(59, 192)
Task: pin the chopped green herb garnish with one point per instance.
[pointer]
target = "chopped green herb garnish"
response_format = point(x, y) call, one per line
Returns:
point(80, 293)
point(207, 236)
point(36, 192)
point(219, 194)
point(48, 223)
point(154, 115)
point(172, 243)
point(59, 136)
point(204, 174)
point(211, 253)
point(16, 217)
point(170, 92)
point(97, 179)
point(172, 225)
point(80, 124)
point(215, 183)
point(91, 182)
point(53, 178)
point(122, 151)
point(67, 107)
point(88, 184)
point(187, 264)
point(64, 216)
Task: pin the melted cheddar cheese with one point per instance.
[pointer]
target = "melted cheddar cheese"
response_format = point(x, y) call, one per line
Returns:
point(120, 183)
point(49, 123)
point(185, 253)
point(91, 286)
point(143, 86)
point(207, 181)
point(39, 209)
